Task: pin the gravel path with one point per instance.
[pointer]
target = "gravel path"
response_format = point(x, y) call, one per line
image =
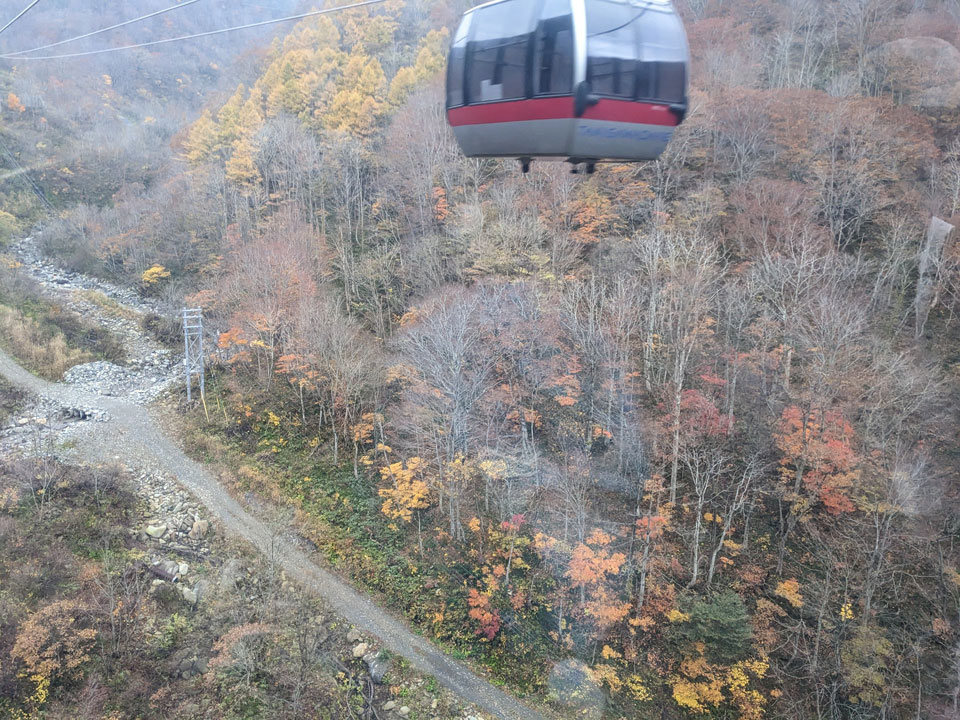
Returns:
point(129, 431)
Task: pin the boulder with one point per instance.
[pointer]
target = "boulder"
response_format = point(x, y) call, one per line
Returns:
point(360, 650)
point(378, 664)
point(389, 705)
point(571, 684)
point(353, 635)
point(922, 71)
point(199, 529)
point(230, 573)
point(189, 596)
point(156, 531)
point(404, 711)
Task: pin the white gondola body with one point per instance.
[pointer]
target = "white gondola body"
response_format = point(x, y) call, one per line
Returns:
point(517, 96)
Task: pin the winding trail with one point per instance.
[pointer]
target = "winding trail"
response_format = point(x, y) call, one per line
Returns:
point(134, 434)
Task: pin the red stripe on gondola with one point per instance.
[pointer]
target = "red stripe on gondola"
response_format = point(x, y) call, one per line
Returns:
point(561, 108)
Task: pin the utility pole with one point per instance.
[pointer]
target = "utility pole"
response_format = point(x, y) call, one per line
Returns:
point(193, 348)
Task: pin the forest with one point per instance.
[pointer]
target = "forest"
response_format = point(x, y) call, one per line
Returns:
point(688, 426)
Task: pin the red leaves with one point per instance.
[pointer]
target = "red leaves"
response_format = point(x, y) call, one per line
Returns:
point(484, 614)
point(701, 417)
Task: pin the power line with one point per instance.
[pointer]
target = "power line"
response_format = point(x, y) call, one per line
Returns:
point(107, 29)
point(19, 15)
point(196, 35)
point(37, 190)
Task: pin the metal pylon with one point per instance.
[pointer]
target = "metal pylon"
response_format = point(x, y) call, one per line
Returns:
point(193, 347)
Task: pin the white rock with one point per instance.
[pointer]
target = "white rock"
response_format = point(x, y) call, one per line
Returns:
point(360, 650)
point(156, 531)
point(183, 568)
point(353, 635)
point(404, 711)
point(389, 705)
point(188, 595)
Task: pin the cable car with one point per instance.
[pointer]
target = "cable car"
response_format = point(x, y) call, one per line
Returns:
point(581, 80)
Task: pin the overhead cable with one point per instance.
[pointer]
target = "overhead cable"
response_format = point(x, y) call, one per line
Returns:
point(195, 35)
point(106, 29)
point(19, 15)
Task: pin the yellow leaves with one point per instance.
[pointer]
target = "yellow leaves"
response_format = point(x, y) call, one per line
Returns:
point(360, 102)
point(608, 676)
point(789, 590)
point(408, 493)
point(494, 470)
point(609, 653)
point(474, 524)
point(846, 612)
point(154, 275)
point(202, 141)
point(637, 689)
point(242, 168)
point(695, 697)
point(952, 575)
point(402, 373)
point(676, 616)
point(701, 686)
point(107, 80)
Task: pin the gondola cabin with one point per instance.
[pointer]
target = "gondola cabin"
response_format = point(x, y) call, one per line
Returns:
point(580, 80)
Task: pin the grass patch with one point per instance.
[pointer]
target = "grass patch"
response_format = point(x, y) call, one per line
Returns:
point(44, 353)
point(47, 338)
point(108, 306)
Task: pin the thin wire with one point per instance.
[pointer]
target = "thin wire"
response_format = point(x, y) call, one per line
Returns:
point(196, 35)
point(106, 29)
point(621, 26)
point(19, 15)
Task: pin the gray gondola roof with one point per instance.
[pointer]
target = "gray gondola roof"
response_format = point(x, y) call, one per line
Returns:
point(659, 5)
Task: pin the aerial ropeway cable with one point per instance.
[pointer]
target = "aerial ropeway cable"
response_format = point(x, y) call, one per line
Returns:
point(193, 36)
point(19, 15)
point(106, 29)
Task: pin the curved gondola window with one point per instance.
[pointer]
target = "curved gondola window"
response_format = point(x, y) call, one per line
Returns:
point(497, 51)
point(455, 67)
point(553, 59)
point(662, 75)
point(612, 51)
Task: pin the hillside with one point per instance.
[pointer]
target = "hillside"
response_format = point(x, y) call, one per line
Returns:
point(676, 439)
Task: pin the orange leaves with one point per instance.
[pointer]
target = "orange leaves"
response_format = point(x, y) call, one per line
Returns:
point(13, 103)
point(818, 453)
point(52, 642)
point(441, 209)
point(590, 568)
point(652, 526)
point(568, 383)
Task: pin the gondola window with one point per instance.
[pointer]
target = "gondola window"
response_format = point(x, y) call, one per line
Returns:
point(497, 52)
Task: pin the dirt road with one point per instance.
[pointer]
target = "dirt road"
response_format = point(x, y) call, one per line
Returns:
point(133, 434)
